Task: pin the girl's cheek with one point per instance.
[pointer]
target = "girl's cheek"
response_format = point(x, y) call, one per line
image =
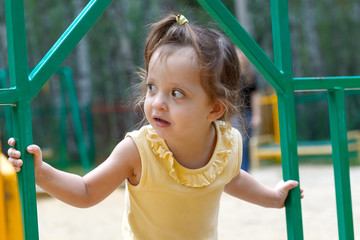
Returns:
point(147, 108)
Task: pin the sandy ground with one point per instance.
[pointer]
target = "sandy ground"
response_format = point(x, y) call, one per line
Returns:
point(237, 220)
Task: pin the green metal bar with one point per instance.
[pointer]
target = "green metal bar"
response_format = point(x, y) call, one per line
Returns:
point(16, 40)
point(245, 42)
point(66, 43)
point(281, 38)
point(22, 127)
point(287, 123)
point(322, 95)
point(18, 73)
point(340, 156)
point(9, 96)
point(320, 83)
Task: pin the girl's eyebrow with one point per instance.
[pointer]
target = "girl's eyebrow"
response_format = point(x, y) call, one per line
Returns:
point(184, 87)
point(149, 79)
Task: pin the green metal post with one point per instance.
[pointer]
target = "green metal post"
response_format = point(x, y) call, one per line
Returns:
point(18, 72)
point(287, 123)
point(24, 87)
point(340, 156)
point(23, 135)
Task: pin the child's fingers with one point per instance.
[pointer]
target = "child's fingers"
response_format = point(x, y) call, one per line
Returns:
point(35, 150)
point(302, 193)
point(17, 163)
point(288, 185)
point(292, 184)
point(13, 153)
point(11, 142)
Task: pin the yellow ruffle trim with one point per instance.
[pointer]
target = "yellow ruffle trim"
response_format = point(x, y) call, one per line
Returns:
point(195, 178)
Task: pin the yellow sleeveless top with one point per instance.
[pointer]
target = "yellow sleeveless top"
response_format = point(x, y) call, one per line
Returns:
point(173, 202)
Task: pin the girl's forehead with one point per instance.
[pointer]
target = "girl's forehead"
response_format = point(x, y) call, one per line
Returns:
point(163, 53)
point(176, 65)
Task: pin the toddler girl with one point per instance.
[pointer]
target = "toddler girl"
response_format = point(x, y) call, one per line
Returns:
point(177, 167)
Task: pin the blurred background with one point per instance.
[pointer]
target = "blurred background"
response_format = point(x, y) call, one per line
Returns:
point(325, 38)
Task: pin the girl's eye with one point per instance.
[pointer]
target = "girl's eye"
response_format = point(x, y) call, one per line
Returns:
point(177, 94)
point(151, 88)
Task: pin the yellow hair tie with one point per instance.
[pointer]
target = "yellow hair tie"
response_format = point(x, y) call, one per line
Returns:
point(180, 19)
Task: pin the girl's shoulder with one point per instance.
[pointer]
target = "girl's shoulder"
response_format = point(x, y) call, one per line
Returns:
point(141, 135)
point(227, 132)
point(140, 132)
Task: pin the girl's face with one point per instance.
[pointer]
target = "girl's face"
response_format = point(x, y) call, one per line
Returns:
point(176, 104)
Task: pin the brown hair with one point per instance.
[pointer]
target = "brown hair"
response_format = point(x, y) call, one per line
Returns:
point(216, 57)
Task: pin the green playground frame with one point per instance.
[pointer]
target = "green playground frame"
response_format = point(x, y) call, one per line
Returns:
point(67, 87)
point(25, 86)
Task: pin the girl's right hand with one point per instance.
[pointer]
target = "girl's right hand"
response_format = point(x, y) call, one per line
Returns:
point(14, 155)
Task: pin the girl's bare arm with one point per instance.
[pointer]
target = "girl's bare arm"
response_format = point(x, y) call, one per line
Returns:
point(245, 187)
point(92, 188)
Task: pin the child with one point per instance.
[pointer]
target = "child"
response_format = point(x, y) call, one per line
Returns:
point(177, 166)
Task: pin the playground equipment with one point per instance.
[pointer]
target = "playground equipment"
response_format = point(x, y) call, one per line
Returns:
point(67, 89)
point(266, 143)
point(24, 87)
point(279, 75)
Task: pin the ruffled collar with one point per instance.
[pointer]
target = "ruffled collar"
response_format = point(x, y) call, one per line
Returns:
point(201, 177)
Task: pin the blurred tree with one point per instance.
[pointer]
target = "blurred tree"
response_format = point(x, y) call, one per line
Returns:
point(325, 35)
point(83, 79)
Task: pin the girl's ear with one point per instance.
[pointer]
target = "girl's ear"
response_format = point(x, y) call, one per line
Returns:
point(217, 111)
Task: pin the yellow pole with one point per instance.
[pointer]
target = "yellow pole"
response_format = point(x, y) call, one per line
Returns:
point(11, 224)
point(3, 230)
point(275, 118)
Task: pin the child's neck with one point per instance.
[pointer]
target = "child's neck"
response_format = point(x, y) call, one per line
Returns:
point(196, 152)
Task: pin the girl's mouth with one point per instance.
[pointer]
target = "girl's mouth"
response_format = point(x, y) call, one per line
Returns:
point(161, 123)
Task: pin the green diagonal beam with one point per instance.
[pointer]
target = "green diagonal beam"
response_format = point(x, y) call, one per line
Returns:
point(66, 43)
point(245, 42)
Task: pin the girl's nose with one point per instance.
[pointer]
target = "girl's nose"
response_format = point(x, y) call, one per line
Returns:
point(159, 102)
